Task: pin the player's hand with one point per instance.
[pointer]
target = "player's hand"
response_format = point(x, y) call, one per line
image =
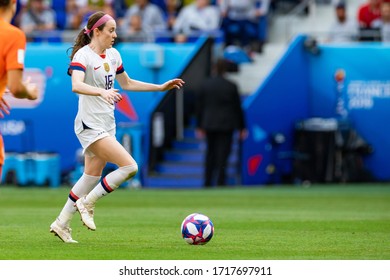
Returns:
point(175, 83)
point(4, 107)
point(111, 96)
point(32, 89)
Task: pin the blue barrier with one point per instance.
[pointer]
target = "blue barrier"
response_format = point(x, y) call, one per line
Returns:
point(33, 168)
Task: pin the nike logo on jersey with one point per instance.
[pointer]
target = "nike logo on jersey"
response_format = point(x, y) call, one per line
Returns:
point(96, 68)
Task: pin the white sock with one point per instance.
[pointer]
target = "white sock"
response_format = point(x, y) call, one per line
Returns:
point(83, 186)
point(111, 182)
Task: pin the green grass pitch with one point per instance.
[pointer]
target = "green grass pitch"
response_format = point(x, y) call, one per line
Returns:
point(323, 222)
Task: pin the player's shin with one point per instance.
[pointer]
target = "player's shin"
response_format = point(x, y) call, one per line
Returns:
point(111, 182)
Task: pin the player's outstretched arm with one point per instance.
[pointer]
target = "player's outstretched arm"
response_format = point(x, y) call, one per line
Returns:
point(174, 83)
point(134, 85)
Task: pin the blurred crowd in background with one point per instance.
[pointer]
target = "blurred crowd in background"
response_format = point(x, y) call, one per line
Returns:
point(370, 22)
point(242, 23)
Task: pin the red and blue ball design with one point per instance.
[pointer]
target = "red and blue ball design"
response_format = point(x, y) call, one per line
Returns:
point(197, 229)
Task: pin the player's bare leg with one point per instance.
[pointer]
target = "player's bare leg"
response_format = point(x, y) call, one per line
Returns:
point(107, 149)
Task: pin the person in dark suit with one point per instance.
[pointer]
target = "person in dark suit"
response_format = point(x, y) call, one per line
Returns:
point(219, 115)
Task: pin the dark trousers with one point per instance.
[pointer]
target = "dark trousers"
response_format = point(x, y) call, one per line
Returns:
point(219, 144)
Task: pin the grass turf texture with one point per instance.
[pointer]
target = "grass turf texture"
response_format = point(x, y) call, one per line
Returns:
point(327, 222)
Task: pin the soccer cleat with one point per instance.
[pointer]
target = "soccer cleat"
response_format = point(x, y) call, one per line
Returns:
point(86, 213)
point(63, 233)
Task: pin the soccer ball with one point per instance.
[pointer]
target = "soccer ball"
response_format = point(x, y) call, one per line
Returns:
point(197, 229)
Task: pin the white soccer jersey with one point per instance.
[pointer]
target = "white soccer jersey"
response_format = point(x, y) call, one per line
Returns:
point(94, 112)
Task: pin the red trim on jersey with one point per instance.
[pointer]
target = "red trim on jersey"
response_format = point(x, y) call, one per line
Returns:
point(120, 69)
point(76, 65)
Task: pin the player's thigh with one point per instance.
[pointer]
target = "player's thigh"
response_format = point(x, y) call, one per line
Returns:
point(109, 149)
point(94, 165)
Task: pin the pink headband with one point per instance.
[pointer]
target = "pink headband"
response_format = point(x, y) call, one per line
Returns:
point(100, 22)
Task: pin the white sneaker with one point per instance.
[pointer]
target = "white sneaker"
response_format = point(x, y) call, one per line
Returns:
point(86, 213)
point(64, 233)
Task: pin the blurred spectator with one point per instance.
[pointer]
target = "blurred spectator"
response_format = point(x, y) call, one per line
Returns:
point(368, 13)
point(37, 16)
point(196, 17)
point(172, 9)
point(240, 21)
point(73, 15)
point(189, 2)
point(119, 8)
point(343, 29)
point(151, 15)
point(262, 11)
point(136, 32)
point(89, 7)
point(218, 114)
point(385, 21)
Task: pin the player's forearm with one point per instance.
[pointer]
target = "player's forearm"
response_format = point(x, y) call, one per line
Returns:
point(83, 88)
point(20, 91)
point(134, 85)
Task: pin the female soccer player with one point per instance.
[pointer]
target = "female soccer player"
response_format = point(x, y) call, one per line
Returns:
point(12, 50)
point(95, 64)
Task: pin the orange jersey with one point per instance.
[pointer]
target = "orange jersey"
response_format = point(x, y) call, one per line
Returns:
point(1, 153)
point(12, 50)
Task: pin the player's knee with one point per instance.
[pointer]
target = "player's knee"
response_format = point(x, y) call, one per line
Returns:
point(129, 171)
